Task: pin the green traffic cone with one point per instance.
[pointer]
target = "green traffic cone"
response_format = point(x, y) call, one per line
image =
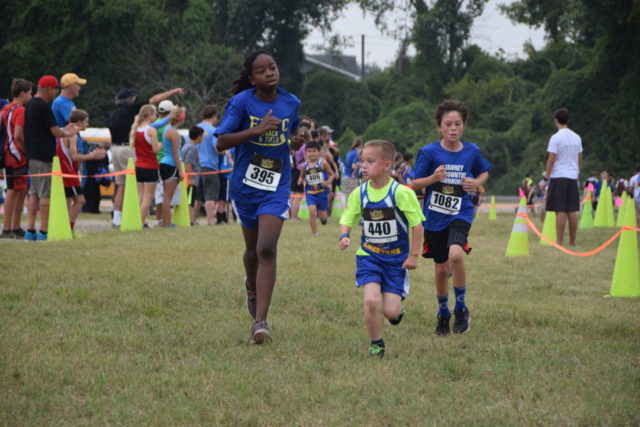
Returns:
point(549, 228)
point(519, 239)
point(609, 209)
point(303, 212)
point(492, 209)
point(181, 216)
point(586, 218)
point(59, 226)
point(131, 218)
point(626, 272)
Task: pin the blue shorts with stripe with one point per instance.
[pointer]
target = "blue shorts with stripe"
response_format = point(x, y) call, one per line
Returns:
point(249, 212)
point(321, 200)
point(392, 277)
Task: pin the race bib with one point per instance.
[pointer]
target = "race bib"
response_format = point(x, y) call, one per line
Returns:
point(314, 176)
point(446, 199)
point(263, 173)
point(379, 225)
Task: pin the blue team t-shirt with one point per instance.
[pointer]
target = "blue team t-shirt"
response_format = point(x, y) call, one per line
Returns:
point(446, 200)
point(207, 149)
point(62, 108)
point(262, 167)
point(351, 158)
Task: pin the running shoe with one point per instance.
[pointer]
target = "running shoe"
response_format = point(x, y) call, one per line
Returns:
point(260, 333)
point(398, 319)
point(30, 236)
point(252, 300)
point(376, 351)
point(19, 233)
point(41, 237)
point(461, 323)
point(442, 328)
point(7, 235)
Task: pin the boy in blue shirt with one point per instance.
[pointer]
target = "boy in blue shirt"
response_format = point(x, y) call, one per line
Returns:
point(391, 215)
point(450, 170)
point(317, 176)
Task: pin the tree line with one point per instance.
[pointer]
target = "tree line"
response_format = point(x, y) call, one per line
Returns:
point(590, 64)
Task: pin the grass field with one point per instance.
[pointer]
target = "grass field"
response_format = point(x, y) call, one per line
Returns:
point(150, 328)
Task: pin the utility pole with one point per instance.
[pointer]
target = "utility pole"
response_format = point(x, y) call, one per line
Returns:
point(362, 53)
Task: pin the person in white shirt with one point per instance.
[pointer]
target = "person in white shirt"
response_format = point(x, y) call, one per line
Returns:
point(634, 185)
point(563, 166)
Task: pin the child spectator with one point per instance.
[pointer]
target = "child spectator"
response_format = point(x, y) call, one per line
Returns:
point(144, 141)
point(258, 121)
point(67, 152)
point(390, 215)
point(209, 162)
point(15, 159)
point(350, 181)
point(404, 171)
point(191, 165)
point(449, 169)
point(317, 177)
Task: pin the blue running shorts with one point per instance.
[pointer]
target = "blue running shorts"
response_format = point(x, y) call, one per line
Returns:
point(392, 277)
point(249, 212)
point(321, 200)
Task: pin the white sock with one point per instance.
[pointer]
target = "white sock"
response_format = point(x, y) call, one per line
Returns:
point(117, 218)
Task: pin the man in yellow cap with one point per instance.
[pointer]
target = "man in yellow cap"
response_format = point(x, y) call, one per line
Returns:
point(63, 105)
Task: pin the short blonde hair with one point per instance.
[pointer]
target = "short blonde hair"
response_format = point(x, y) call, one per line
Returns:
point(387, 148)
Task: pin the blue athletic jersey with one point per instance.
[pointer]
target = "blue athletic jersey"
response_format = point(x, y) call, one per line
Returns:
point(262, 168)
point(315, 176)
point(351, 158)
point(385, 229)
point(167, 147)
point(446, 200)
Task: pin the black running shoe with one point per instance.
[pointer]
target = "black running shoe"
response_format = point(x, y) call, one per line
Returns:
point(19, 233)
point(442, 328)
point(461, 323)
point(376, 351)
point(260, 333)
point(398, 319)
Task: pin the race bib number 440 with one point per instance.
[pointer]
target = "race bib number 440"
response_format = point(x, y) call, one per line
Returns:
point(379, 225)
point(263, 173)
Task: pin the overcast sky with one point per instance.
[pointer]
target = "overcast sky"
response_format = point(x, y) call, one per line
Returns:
point(491, 31)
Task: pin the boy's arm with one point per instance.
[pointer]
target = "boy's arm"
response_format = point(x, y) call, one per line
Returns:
point(72, 143)
point(302, 174)
point(416, 240)
point(472, 184)
point(345, 239)
point(18, 136)
point(438, 175)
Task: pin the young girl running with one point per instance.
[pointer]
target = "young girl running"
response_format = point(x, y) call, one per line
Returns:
point(450, 169)
point(258, 121)
point(170, 168)
point(144, 140)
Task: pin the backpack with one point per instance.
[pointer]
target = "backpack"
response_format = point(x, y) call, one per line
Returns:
point(4, 133)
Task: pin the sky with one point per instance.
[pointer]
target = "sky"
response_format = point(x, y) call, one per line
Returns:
point(491, 31)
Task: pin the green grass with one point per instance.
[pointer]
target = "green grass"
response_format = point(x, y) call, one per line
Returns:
point(151, 328)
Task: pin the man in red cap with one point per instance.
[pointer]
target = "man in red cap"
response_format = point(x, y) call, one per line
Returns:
point(40, 133)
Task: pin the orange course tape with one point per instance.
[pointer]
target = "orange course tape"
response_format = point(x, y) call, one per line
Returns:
point(568, 251)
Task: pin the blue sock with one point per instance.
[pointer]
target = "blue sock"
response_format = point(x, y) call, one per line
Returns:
point(459, 297)
point(379, 342)
point(443, 306)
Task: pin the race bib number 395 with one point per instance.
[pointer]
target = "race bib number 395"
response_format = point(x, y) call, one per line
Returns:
point(263, 173)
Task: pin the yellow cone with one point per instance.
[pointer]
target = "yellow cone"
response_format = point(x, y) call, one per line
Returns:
point(586, 218)
point(549, 228)
point(492, 209)
point(600, 220)
point(626, 272)
point(303, 212)
point(181, 216)
point(609, 209)
point(519, 240)
point(131, 219)
point(59, 226)
point(338, 199)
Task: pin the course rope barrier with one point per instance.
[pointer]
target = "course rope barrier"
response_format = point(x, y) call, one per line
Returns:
point(569, 251)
